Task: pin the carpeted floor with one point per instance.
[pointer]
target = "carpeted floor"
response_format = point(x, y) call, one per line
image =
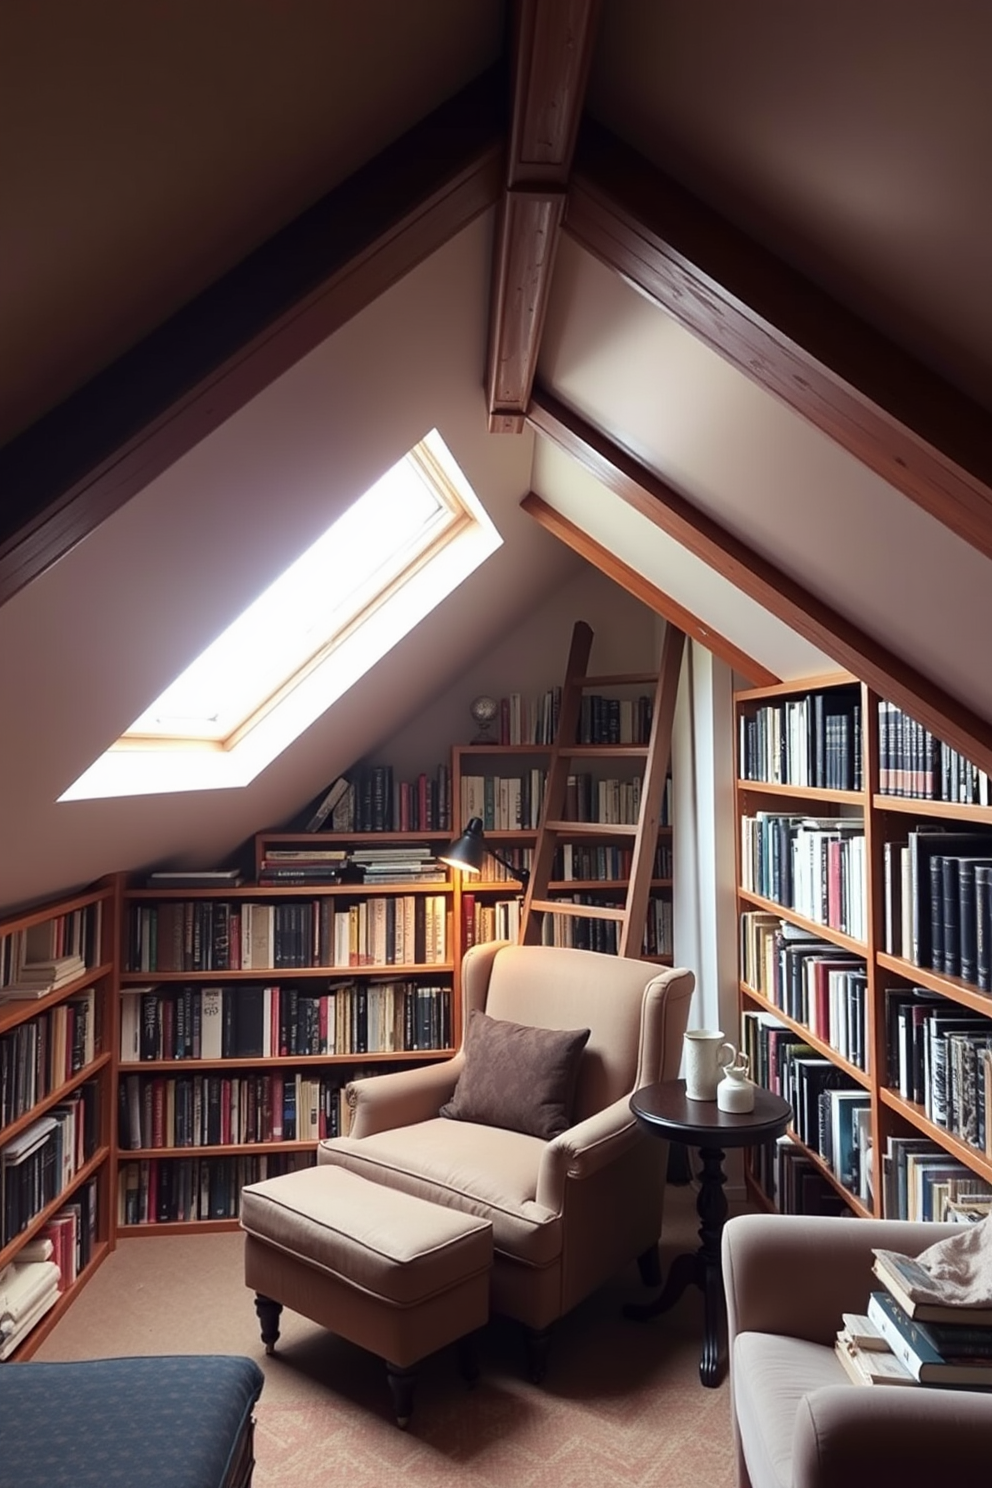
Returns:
point(621, 1406)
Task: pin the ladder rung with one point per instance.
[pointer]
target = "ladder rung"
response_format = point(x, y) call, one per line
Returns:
point(603, 751)
point(623, 679)
point(574, 830)
point(580, 911)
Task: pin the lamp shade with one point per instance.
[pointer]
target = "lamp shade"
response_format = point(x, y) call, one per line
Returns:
point(467, 851)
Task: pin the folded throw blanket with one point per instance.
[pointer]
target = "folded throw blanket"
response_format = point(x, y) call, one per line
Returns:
point(956, 1271)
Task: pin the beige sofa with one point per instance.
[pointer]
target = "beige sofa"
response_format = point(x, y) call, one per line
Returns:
point(798, 1420)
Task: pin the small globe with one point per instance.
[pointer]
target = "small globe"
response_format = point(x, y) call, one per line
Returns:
point(484, 710)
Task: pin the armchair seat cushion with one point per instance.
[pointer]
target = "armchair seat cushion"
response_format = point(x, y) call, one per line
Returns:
point(487, 1171)
point(772, 1375)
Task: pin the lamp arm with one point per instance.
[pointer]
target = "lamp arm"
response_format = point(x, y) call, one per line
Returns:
point(522, 875)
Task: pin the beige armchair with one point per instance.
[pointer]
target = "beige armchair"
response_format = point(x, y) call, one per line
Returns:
point(567, 1212)
point(798, 1420)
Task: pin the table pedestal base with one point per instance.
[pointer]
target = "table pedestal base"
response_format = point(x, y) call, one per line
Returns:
point(702, 1268)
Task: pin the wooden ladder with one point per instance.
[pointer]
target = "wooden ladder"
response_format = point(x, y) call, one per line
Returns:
point(553, 830)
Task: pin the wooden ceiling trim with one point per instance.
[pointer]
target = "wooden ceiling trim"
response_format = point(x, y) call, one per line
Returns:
point(72, 469)
point(552, 48)
point(649, 594)
point(898, 417)
point(883, 671)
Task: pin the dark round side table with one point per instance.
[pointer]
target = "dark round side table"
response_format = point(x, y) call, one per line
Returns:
point(666, 1111)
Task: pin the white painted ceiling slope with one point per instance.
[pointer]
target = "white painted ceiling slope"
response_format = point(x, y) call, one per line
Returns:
point(145, 150)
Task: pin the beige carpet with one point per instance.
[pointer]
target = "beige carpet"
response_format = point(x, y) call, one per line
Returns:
point(621, 1406)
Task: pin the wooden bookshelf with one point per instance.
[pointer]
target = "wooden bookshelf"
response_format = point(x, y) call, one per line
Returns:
point(57, 1095)
point(864, 1029)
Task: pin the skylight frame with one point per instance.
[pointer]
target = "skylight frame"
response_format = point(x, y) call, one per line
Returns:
point(142, 763)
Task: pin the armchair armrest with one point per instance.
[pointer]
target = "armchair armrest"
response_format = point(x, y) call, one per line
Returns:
point(855, 1437)
point(584, 1149)
point(795, 1274)
point(381, 1102)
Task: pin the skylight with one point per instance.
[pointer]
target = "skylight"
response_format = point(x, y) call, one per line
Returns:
point(400, 549)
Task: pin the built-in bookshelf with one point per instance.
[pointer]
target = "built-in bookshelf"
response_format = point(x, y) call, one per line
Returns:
point(245, 1011)
point(865, 916)
point(57, 1014)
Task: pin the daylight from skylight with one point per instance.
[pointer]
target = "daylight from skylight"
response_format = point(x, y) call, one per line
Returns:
point(400, 549)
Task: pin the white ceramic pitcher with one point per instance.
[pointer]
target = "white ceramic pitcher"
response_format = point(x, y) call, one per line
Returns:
point(707, 1054)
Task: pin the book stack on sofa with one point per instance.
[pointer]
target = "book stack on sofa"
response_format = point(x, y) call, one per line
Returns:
point(930, 1321)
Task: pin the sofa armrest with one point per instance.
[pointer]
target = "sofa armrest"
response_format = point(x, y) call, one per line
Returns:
point(584, 1149)
point(857, 1437)
point(795, 1274)
point(401, 1098)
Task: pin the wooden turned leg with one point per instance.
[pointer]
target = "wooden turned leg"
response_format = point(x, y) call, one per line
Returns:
point(268, 1316)
point(401, 1388)
point(538, 1342)
point(649, 1265)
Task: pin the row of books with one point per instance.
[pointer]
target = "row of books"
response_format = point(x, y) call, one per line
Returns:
point(902, 1341)
point(76, 933)
point(40, 1055)
point(940, 1056)
point(488, 920)
point(920, 1181)
point(256, 1021)
point(369, 798)
point(184, 1189)
point(913, 762)
point(215, 1110)
point(41, 1161)
point(812, 741)
point(815, 866)
point(504, 803)
point(798, 1186)
point(531, 720)
point(938, 902)
point(206, 935)
point(591, 934)
point(46, 1266)
point(814, 982)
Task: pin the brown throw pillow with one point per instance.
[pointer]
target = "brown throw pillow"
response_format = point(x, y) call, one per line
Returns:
point(517, 1077)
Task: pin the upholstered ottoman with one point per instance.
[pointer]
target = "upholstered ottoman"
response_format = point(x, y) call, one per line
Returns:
point(168, 1422)
point(393, 1273)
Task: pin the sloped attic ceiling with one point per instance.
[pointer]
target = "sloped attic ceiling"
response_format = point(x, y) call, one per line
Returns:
point(151, 153)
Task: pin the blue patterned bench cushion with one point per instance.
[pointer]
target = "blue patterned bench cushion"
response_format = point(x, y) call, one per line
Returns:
point(168, 1422)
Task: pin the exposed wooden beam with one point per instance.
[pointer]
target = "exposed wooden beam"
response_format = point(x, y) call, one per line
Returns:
point(552, 48)
point(85, 459)
point(894, 414)
point(641, 588)
point(781, 595)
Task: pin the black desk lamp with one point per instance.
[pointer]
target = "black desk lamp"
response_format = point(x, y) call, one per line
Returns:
point(468, 851)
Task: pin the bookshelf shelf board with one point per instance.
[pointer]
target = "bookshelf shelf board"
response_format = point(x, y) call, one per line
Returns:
point(759, 1000)
point(793, 689)
point(219, 1149)
point(81, 1176)
point(972, 1157)
point(41, 1330)
point(851, 1200)
point(824, 932)
point(281, 1061)
point(288, 973)
point(768, 788)
point(946, 810)
point(254, 892)
point(21, 1010)
point(953, 988)
point(351, 839)
point(177, 1227)
point(54, 1096)
point(600, 885)
point(501, 751)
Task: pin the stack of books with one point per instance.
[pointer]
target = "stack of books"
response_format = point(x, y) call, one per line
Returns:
point(904, 1342)
point(401, 864)
point(288, 865)
point(36, 978)
point(26, 1293)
